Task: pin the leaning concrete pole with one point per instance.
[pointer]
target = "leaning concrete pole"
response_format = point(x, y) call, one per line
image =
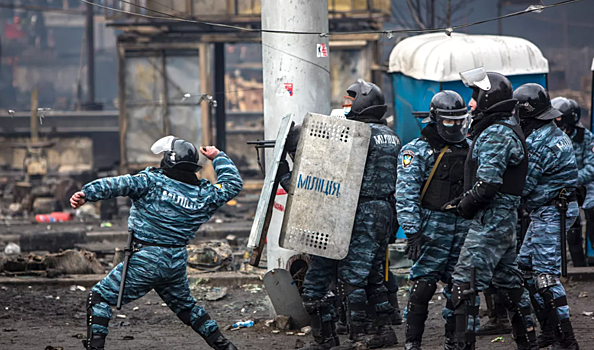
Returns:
point(296, 81)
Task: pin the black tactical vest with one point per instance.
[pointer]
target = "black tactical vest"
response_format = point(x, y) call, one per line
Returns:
point(514, 177)
point(448, 180)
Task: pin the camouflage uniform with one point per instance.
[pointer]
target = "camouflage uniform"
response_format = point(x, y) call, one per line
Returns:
point(490, 245)
point(168, 213)
point(552, 167)
point(360, 274)
point(446, 231)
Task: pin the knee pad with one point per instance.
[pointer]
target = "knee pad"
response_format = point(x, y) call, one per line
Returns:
point(464, 307)
point(311, 305)
point(420, 294)
point(344, 289)
point(545, 281)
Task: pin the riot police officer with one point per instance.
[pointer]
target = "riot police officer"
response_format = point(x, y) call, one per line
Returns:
point(550, 185)
point(430, 174)
point(169, 204)
point(495, 172)
point(583, 145)
point(360, 274)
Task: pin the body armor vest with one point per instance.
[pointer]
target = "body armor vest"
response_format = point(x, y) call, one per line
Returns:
point(448, 181)
point(514, 177)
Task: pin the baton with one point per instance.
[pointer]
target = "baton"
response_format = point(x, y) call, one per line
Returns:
point(127, 254)
point(562, 207)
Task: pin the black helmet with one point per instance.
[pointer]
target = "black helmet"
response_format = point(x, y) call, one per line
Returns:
point(448, 111)
point(569, 116)
point(365, 100)
point(576, 108)
point(493, 92)
point(534, 102)
point(177, 153)
point(292, 140)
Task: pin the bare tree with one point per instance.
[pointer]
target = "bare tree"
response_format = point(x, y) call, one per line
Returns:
point(423, 14)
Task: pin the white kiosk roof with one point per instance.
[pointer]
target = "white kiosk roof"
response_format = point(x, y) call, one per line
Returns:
point(439, 57)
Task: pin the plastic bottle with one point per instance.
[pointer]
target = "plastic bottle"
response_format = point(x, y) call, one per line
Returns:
point(246, 324)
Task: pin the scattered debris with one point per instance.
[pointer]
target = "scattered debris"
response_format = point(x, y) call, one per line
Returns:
point(498, 340)
point(290, 333)
point(587, 313)
point(246, 324)
point(216, 294)
point(120, 316)
point(211, 256)
point(583, 295)
point(128, 337)
point(299, 344)
point(9, 330)
point(283, 322)
point(306, 330)
point(49, 347)
point(163, 304)
point(79, 288)
point(12, 249)
point(106, 224)
point(232, 240)
point(269, 323)
point(135, 308)
point(79, 336)
point(275, 331)
point(252, 288)
point(75, 262)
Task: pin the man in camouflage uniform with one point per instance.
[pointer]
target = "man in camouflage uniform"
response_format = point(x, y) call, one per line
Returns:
point(495, 172)
point(583, 146)
point(434, 237)
point(551, 183)
point(169, 204)
point(360, 274)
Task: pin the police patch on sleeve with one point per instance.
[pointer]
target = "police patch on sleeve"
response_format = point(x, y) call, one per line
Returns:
point(407, 157)
point(218, 186)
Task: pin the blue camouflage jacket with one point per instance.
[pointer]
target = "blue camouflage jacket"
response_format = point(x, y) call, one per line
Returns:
point(551, 166)
point(496, 148)
point(584, 156)
point(164, 210)
point(412, 174)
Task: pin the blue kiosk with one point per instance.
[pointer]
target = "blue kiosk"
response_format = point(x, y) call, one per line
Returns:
point(421, 66)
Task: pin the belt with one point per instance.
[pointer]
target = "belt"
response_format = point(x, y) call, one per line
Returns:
point(150, 244)
point(570, 198)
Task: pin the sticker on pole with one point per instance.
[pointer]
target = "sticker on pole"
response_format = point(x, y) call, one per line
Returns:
point(285, 89)
point(322, 50)
point(325, 184)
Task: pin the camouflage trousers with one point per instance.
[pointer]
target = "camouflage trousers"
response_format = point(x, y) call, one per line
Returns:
point(541, 251)
point(439, 257)
point(490, 249)
point(158, 268)
point(361, 271)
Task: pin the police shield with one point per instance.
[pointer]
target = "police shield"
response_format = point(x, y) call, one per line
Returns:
point(325, 185)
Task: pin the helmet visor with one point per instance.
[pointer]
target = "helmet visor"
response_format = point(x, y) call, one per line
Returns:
point(452, 126)
point(476, 78)
point(164, 144)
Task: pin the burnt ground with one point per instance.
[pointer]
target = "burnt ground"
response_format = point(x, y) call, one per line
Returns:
point(34, 318)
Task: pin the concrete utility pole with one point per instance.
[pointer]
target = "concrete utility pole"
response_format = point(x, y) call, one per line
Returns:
point(296, 81)
point(90, 36)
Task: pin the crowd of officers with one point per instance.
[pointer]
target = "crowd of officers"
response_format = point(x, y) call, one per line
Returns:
point(481, 196)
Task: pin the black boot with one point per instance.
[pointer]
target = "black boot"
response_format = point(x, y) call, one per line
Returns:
point(396, 317)
point(498, 321)
point(356, 339)
point(97, 342)
point(565, 337)
point(449, 341)
point(324, 334)
point(414, 345)
point(547, 336)
point(218, 341)
point(342, 328)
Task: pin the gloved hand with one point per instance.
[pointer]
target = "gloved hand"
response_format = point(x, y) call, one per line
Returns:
point(451, 206)
point(283, 168)
point(467, 208)
point(414, 244)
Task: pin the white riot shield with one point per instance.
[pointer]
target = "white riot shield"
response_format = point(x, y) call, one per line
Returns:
point(325, 185)
point(264, 209)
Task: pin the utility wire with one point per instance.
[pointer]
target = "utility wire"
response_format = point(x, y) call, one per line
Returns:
point(390, 33)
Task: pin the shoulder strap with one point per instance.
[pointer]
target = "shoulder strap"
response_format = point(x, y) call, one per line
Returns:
point(443, 151)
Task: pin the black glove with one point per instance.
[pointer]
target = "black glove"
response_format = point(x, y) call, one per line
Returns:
point(414, 244)
point(451, 206)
